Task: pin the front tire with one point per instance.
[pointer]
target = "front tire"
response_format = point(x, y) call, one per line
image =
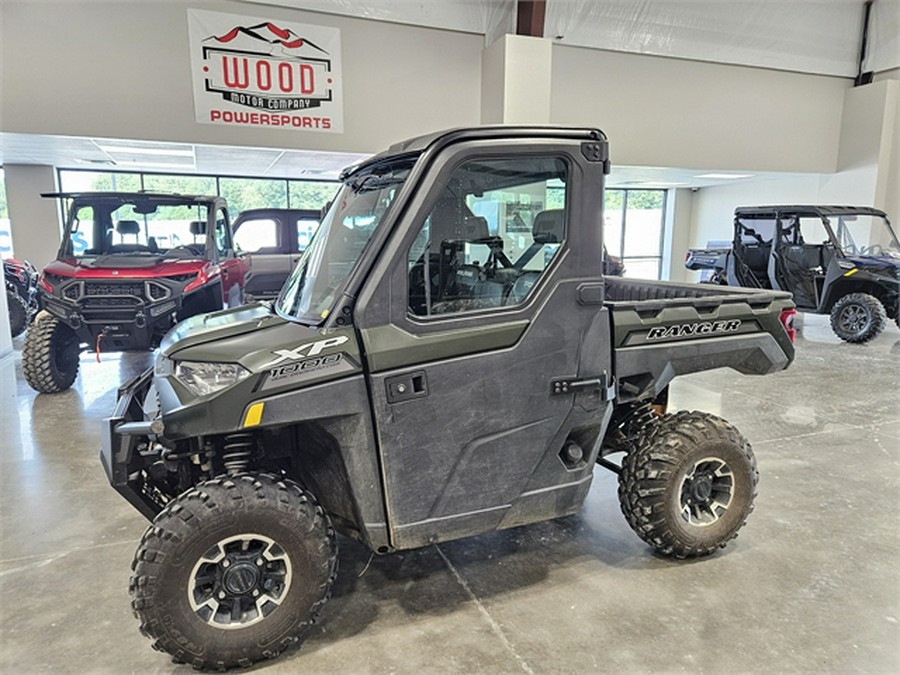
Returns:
point(50, 357)
point(689, 486)
point(18, 313)
point(858, 317)
point(233, 571)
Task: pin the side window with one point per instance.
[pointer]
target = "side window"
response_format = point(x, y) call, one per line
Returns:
point(494, 230)
point(306, 228)
point(223, 235)
point(258, 235)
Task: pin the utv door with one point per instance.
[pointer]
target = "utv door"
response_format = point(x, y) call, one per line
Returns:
point(266, 239)
point(488, 344)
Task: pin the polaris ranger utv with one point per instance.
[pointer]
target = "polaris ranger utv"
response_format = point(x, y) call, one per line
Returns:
point(837, 260)
point(129, 267)
point(426, 374)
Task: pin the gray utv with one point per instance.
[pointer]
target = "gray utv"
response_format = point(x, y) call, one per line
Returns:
point(432, 369)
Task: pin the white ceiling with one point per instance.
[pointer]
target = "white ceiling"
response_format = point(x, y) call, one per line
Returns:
point(801, 35)
point(807, 36)
point(125, 155)
point(96, 154)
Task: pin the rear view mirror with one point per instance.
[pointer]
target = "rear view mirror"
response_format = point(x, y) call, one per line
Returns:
point(144, 209)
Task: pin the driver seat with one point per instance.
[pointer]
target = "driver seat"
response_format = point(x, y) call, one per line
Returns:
point(197, 228)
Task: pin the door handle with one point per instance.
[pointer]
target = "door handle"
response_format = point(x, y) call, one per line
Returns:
point(406, 387)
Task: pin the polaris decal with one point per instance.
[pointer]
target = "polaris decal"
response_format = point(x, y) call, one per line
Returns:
point(703, 328)
point(298, 353)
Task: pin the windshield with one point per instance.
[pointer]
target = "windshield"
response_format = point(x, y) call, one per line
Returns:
point(865, 235)
point(135, 228)
point(339, 242)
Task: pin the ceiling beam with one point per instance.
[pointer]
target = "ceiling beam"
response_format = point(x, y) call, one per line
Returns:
point(530, 17)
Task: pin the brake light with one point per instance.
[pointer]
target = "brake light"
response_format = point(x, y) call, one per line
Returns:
point(787, 320)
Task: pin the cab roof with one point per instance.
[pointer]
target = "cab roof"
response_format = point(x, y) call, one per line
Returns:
point(158, 197)
point(434, 141)
point(808, 210)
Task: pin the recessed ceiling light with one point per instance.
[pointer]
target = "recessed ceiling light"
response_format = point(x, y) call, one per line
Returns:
point(726, 176)
point(125, 150)
point(156, 165)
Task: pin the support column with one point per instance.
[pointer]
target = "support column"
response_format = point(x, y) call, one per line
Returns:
point(677, 240)
point(866, 150)
point(515, 81)
point(36, 230)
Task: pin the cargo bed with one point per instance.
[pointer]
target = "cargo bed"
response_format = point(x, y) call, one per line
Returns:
point(662, 329)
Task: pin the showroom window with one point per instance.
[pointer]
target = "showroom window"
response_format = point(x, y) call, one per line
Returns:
point(253, 193)
point(634, 229)
point(242, 193)
point(308, 194)
point(5, 228)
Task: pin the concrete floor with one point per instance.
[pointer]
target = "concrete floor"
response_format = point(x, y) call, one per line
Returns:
point(810, 586)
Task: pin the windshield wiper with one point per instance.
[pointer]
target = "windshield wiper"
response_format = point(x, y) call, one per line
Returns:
point(373, 182)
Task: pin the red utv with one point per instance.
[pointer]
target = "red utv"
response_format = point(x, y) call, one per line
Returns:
point(130, 266)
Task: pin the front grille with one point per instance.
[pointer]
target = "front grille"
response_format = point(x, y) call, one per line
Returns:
point(111, 301)
point(72, 292)
point(115, 288)
point(157, 291)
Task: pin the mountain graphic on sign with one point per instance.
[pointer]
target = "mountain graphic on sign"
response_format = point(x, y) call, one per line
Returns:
point(266, 32)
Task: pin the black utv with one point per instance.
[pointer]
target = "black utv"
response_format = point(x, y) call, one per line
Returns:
point(427, 373)
point(837, 260)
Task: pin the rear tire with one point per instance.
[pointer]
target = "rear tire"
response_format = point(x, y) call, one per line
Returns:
point(50, 357)
point(18, 313)
point(689, 486)
point(858, 317)
point(233, 571)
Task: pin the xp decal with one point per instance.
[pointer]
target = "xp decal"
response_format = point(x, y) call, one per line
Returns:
point(301, 352)
point(265, 73)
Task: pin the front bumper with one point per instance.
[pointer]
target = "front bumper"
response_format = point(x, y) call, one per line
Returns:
point(126, 435)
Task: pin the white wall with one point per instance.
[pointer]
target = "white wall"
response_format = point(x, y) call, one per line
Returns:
point(713, 208)
point(868, 169)
point(668, 112)
point(679, 214)
point(867, 137)
point(36, 226)
point(122, 70)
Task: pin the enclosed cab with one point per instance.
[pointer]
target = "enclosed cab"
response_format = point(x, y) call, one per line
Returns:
point(446, 359)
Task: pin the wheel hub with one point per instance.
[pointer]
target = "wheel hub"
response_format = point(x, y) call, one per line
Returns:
point(239, 581)
point(854, 318)
point(706, 492)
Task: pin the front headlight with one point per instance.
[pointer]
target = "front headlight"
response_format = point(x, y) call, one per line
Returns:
point(205, 378)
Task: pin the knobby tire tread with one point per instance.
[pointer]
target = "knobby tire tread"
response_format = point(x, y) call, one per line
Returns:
point(183, 518)
point(646, 471)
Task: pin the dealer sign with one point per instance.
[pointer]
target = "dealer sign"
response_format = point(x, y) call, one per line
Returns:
point(250, 72)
